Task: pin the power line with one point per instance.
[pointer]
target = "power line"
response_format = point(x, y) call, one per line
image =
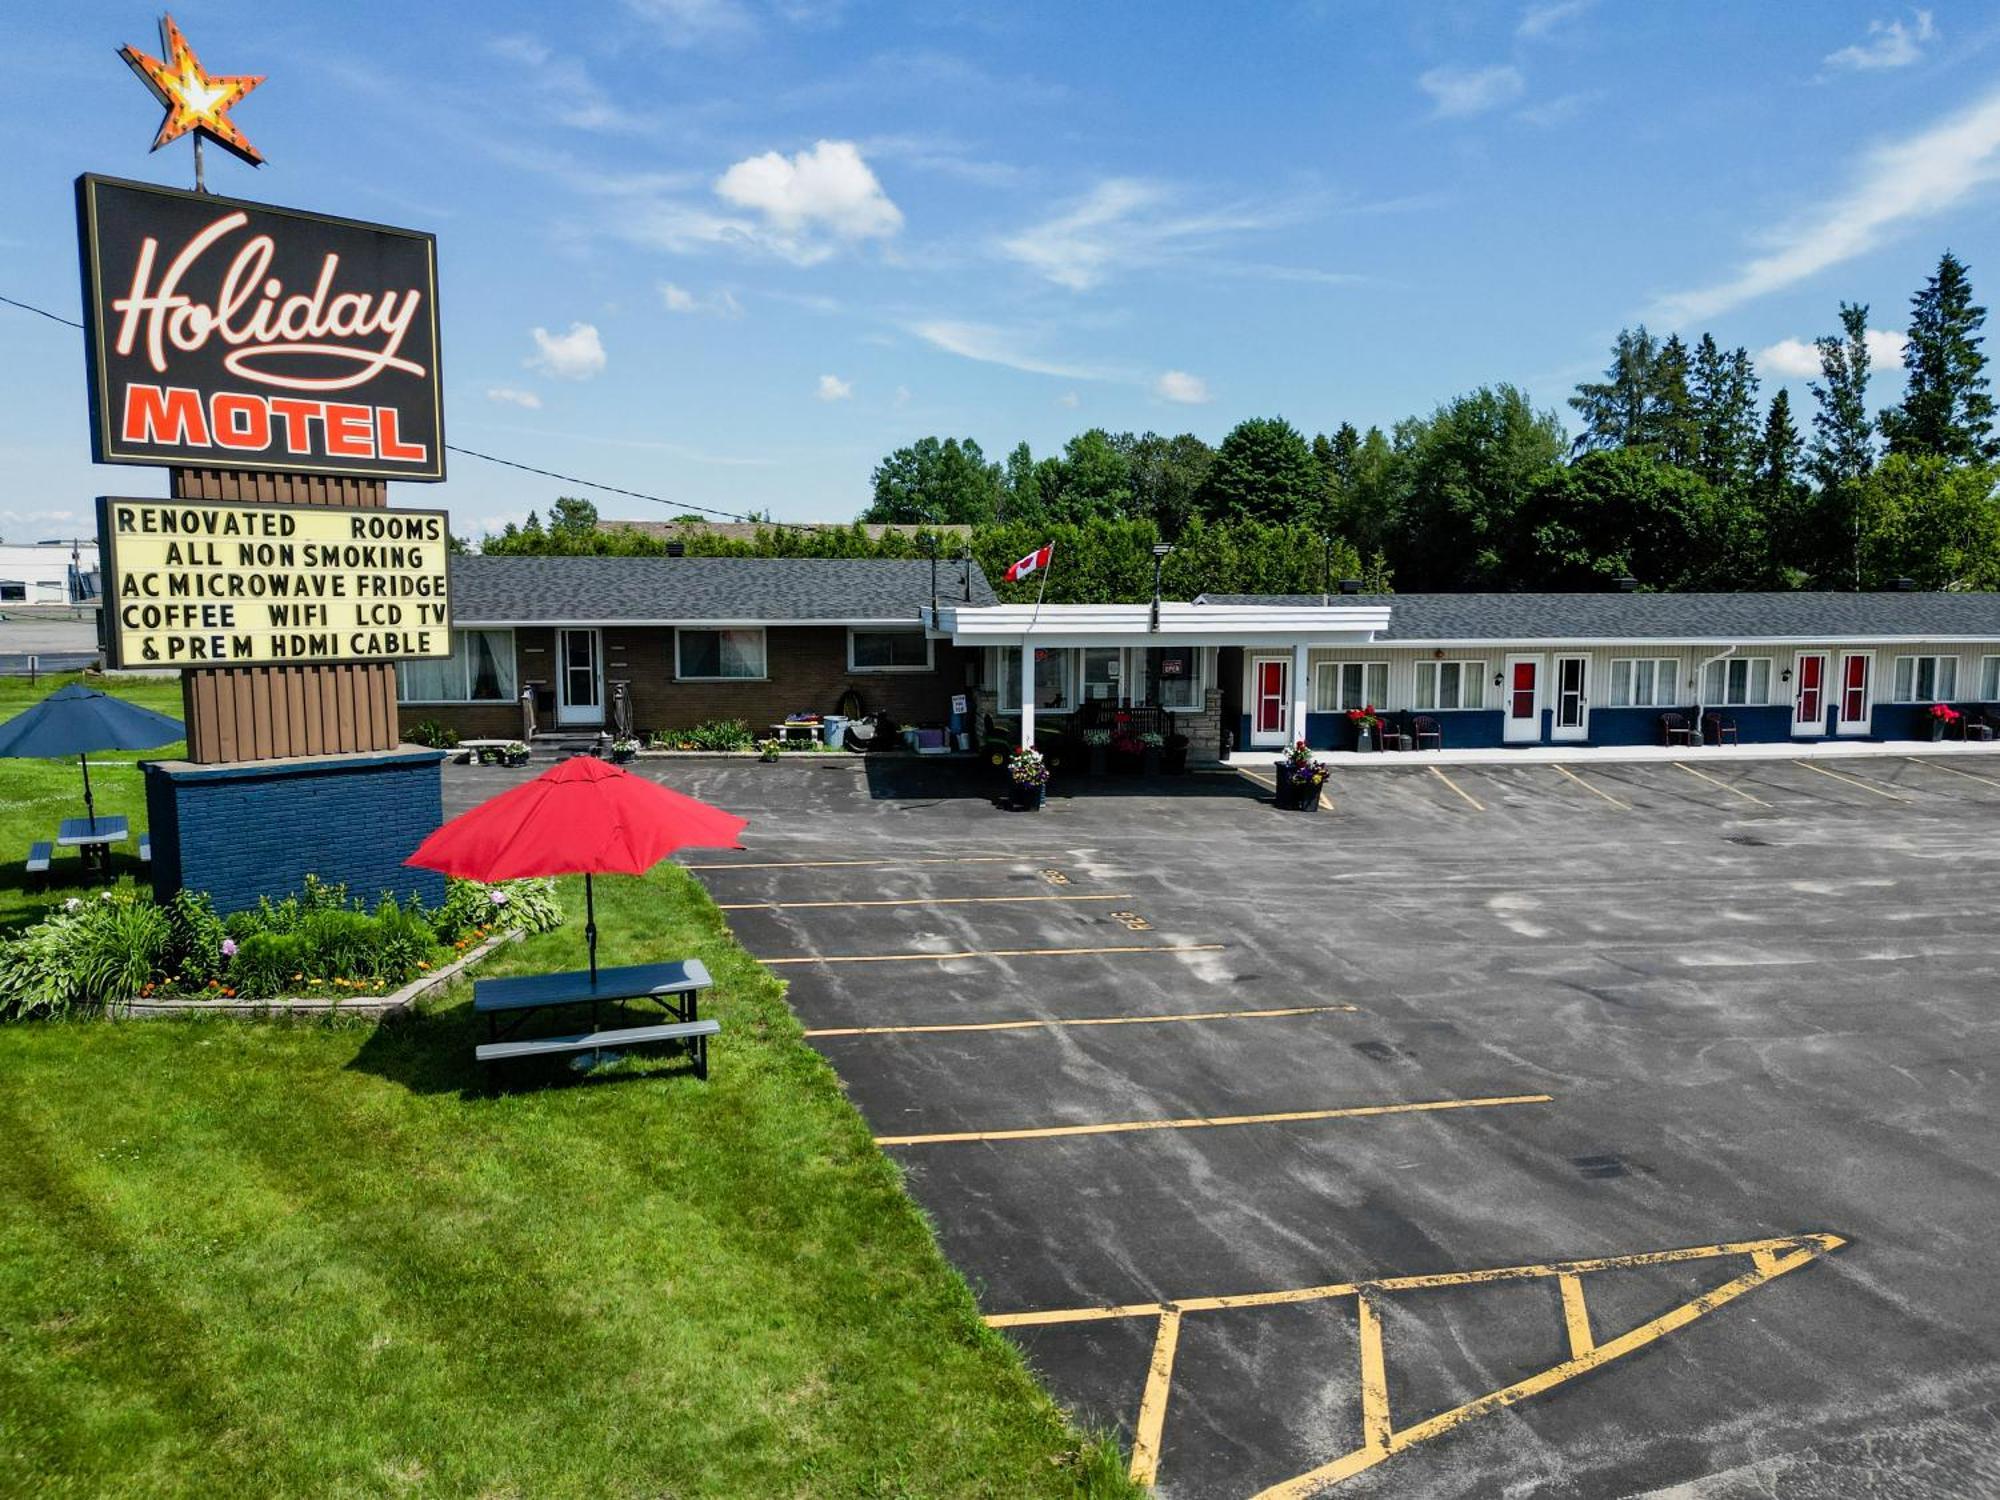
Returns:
point(42, 312)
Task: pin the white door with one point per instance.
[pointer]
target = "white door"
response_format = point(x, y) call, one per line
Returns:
point(579, 679)
point(1270, 700)
point(1809, 694)
point(1572, 716)
point(1856, 703)
point(1524, 700)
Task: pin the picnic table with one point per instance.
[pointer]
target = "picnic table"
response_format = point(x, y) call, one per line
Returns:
point(509, 1005)
point(92, 839)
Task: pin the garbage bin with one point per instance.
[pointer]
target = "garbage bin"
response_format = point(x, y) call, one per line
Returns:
point(834, 730)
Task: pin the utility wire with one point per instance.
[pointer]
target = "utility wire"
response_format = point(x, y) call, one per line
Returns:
point(491, 458)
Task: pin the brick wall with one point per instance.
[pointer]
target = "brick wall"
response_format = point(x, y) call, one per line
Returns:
point(259, 828)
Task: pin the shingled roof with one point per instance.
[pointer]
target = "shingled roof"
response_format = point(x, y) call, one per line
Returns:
point(1722, 618)
point(707, 590)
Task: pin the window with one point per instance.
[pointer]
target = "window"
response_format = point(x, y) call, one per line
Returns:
point(1989, 679)
point(480, 669)
point(888, 651)
point(1103, 673)
point(1175, 673)
point(13, 592)
point(1053, 668)
point(1646, 682)
point(727, 655)
point(1926, 679)
point(1341, 685)
point(1737, 682)
point(1451, 684)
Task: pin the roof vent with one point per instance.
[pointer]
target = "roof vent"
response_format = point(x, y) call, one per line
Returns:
point(1628, 585)
point(677, 549)
point(1903, 585)
point(1350, 585)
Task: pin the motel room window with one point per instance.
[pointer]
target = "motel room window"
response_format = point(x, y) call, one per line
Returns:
point(719, 655)
point(1103, 673)
point(1926, 679)
point(1989, 679)
point(1451, 684)
point(1645, 682)
point(480, 669)
point(1053, 679)
point(888, 651)
point(1737, 682)
point(13, 592)
point(1175, 673)
point(1341, 685)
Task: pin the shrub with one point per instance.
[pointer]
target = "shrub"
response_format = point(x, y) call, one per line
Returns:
point(89, 953)
point(430, 733)
point(195, 934)
point(712, 734)
point(530, 905)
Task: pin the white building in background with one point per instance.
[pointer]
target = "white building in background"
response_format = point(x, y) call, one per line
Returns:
point(55, 573)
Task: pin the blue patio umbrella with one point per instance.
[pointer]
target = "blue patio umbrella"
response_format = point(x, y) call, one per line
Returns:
point(76, 720)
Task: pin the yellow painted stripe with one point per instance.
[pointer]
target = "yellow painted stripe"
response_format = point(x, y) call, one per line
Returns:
point(1866, 786)
point(1932, 764)
point(831, 864)
point(1477, 805)
point(1595, 790)
point(1205, 1122)
point(1199, 1015)
point(897, 958)
point(1269, 786)
point(1726, 786)
point(1376, 1428)
point(1820, 1244)
point(911, 901)
point(1576, 1315)
point(1153, 1404)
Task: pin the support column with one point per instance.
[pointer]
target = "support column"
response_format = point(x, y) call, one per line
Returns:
point(1299, 699)
point(1027, 695)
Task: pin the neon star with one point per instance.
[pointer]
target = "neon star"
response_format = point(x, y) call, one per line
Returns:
point(195, 100)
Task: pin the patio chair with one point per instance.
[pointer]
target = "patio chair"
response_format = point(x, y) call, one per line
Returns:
point(1675, 729)
point(1971, 724)
point(1423, 727)
point(1392, 734)
point(1718, 729)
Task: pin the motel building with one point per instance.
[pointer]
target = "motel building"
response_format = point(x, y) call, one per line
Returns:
point(690, 639)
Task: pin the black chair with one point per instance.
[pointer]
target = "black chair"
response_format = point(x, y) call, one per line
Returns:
point(1971, 724)
point(1719, 729)
point(1391, 734)
point(1423, 727)
point(1675, 729)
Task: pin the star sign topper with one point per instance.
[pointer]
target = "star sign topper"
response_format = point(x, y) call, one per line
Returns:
point(195, 101)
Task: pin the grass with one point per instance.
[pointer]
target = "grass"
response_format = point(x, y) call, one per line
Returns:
point(327, 1259)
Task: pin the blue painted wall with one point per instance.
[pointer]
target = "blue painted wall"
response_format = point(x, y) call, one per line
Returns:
point(244, 831)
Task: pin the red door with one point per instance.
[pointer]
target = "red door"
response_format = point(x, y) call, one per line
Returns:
point(1855, 709)
point(1809, 707)
point(1524, 699)
point(1272, 699)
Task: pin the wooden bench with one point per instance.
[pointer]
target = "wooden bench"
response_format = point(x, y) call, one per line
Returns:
point(675, 987)
point(145, 848)
point(39, 856)
point(696, 1033)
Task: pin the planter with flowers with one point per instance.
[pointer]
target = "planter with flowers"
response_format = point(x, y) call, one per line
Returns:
point(769, 749)
point(1128, 751)
point(623, 750)
point(1175, 753)
point(1027, 779)
point(1367, 726)
point(1942, 716)
point(1300, 778)
point(1151, 743)
point(514, 754)
point(1097, 745)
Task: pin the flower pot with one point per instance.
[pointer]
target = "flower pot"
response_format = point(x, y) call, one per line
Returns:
point(1364, 738)
point(768, 757)
point(1149, 763)
point(1028, 798)
point(1937, 730)
point(619, 757)
point(1099, 754)
point(1174, 758)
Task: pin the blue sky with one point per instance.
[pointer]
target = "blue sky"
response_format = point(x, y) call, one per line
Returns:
point(733, 251)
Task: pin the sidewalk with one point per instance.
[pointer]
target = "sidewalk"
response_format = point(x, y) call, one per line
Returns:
point(1542, 755)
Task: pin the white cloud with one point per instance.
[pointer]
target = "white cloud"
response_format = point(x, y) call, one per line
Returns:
point(998, 346)
point(1540, 20)
point(1182, 388)
point(695, 23)
point(1890, 44)
point(678, 299)
point(1123, 223)
point(1458, 92)
point(1914, 178)
point(829, 187)
point(563, 86)
point(1799, 358)
point(902, 397)
point(833, 388)
point(576, 355)
point(508, 395)
point(1069, 399)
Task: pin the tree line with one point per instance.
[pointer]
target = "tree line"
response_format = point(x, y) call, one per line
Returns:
point(1680, 477)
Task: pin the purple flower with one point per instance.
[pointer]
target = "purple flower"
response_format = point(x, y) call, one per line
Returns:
point(229, 947)
point(497, 896)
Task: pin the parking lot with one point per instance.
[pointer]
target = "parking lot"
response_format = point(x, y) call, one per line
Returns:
point(1510, 1130)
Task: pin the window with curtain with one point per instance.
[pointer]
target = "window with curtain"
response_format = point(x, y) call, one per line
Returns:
point(888, 651)
point(1053, 679)
point(1644, 682)
point(1989, 679)
point(1926, 679)
point(1341, 685)
point(1737, 682)
point(726, 655)
point(1451, 684)
point(1175, 675)
point(480, 669)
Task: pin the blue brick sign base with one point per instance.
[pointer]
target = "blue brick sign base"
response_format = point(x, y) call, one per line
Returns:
point(258, 829)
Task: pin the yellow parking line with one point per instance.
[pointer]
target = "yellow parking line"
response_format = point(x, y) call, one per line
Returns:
point(1713, 781)
point(1576, 1315)
point(895, 958)
point(1918, 760)
point(1153, 1404)
point(1205, 1122)
point(1269, 786)
point(1200, 1015)
point(1595, 791)
point(913, 901)
point(830, 864)
point(1853, 781)
point(1477, 805)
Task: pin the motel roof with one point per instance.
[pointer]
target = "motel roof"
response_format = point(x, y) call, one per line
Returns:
point(1621, 617)
point(703, 590)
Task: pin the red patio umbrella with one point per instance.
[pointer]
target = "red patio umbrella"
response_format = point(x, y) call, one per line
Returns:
point(581, 817)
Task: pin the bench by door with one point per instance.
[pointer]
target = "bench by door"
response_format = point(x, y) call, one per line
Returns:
point(579, 679)
point(1572, 717)
point(1857, 693)
point(1809, 695)
point(1524, 701)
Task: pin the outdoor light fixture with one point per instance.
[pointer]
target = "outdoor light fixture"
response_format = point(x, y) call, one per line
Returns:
point(1786, 675)
point(1160, 551)
point(1498, 679)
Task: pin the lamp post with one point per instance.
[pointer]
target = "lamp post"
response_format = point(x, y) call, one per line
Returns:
point(1160, 552)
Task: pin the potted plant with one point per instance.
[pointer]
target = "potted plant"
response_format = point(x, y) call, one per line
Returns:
point(514, 754)
point(1151, 743)
point(1028, 779)
point(1098, 743)
point(1175, 754)
point(1367, 724)
point(623, 750)
point(1942, 716)
point(769, 749)
point(1300, 778)
point(1128, 751)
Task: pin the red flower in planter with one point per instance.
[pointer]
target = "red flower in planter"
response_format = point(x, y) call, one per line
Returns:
point(1944, 713)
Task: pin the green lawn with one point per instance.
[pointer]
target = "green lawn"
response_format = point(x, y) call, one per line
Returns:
point(322, 1259)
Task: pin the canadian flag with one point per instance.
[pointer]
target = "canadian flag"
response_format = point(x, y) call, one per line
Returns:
point(1034, 562)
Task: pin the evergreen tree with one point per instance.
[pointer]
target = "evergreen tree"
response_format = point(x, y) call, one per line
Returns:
point(1670, 430)
point(1263, 469)
point(1946, 410)
point(1724, 390)
point(1020, 493)
point(1616, 409)
point(1843, 449)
